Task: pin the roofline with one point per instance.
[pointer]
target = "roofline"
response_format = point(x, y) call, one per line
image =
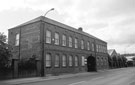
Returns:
point(47, 20)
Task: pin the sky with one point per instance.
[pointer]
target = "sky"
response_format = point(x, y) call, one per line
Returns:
point(110, 20)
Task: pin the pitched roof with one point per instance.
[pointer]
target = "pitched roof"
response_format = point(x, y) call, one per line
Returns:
point(110, 51)
point(45, 19)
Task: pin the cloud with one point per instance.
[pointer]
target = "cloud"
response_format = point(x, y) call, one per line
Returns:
point(109, 20)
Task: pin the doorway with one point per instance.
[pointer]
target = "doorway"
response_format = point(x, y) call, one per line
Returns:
point(91, 63)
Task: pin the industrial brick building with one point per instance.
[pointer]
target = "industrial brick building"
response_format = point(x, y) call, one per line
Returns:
point(58, 48)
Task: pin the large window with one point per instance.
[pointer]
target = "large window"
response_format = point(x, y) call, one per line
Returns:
point(76, 60)
point(93, 49)
point(83, 61)
point(48, 36)
point(56, 39)
point(70, 60)
point(57, 59)
point(101, 48)
point(82, 44)
point(48, 60)
point(76, 43)
point(70, 41)
point(63, 40)
point(88, 45)
point(64, 60)
point(17, 39)
point(97, 48)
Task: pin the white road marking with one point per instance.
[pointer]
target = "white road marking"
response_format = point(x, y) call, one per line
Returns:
point(77, 83)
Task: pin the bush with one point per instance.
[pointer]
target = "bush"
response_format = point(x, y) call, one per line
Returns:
point(27, 64)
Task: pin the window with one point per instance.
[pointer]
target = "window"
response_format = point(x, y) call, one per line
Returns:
point(93, 47)
point(70, 60)
point(83, 61)
point(48, 60)
point(76, 43)
point(76, 61)
point(63, 40)
point(88, 45)
point(82, 44)
point(48, 36)
point(102, 49)
point(70, 41)
point(97, 48)
point(17, 39)
point(56, 39)
point(57, 58)
point(64, 61)
point(105, 49)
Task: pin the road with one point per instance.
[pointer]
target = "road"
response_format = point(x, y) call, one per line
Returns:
point(123, 76)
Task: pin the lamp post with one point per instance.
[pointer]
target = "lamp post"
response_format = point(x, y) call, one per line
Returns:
point(48, 11)
point(43, 65)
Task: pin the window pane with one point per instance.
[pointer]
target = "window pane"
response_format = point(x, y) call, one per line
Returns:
point(93, 47)
point(63, 40)
point(88, 45)
point(97, 47)
point(57, 61)
point(63, 60)
point(76, 61)
point(83, 61)
point(48, 60)
point(70, 61)
point(56, 38)
point(48, 36)
point(82, 44)
point(70, 41)
point(76, 43)
point(17, 40)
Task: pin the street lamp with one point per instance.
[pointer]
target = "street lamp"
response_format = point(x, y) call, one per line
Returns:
point(48, 11)
point(42, 61)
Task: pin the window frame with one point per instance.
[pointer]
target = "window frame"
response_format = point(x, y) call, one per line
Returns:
point(82, 60)
point(76, 42)
point(56, 38)
point(17, 39)
point(64, 39)
point(70, 41)
point(82, 44)
point(49, 60)
point(64, 62)
point(57, 60)
point(70, 60)
point(76, 61)
point(88, 45)
point(93, 47)
point(48, 38)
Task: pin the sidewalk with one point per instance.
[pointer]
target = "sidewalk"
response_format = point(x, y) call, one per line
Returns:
point(40, 79)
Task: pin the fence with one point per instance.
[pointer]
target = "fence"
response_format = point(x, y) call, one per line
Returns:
point(20, 69)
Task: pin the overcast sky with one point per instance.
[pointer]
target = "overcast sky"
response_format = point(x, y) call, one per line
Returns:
point(110, 20)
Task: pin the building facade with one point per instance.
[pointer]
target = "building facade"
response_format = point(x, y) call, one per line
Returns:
point(58, 47)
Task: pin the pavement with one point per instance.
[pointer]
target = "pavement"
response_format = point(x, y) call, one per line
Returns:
point(40, 79)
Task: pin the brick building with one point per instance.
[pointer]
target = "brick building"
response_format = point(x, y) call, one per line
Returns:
point(58, 48)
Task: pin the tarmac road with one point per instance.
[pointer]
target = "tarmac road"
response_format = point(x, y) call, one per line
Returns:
point(123, 76)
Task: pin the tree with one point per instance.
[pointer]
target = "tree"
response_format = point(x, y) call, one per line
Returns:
point(134, 58)
point(5, 54)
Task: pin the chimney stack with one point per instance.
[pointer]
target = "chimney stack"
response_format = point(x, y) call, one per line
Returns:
point(80, 29)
